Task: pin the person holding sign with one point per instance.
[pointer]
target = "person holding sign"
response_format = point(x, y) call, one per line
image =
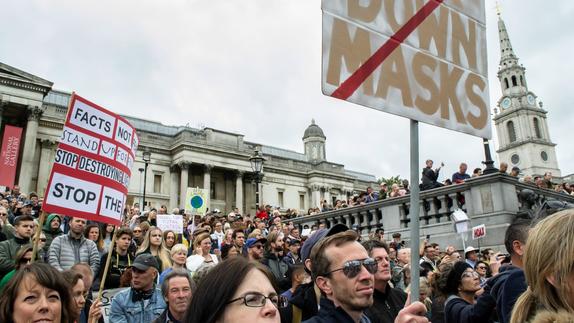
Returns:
point(121, 260)
point(143, 302)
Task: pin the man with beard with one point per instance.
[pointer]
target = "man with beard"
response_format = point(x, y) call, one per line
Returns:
point(72, 248)
point(52, 229)
point(253, 248)
point(388, 301)
point(142, 302)
point(344, 272)
point(177, 289)
point(273, 259)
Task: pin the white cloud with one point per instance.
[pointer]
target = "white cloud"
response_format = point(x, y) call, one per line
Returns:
point(253, 67)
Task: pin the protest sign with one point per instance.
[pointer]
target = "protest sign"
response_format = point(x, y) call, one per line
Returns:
point(107, 297)
point(173, 222)
point(195, 200)
point(92, 166)
point(478, 232)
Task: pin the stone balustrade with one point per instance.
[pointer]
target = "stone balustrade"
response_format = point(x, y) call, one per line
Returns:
point(492, 200)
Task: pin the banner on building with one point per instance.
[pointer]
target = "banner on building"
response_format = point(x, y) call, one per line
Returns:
point(9, 155)
point(92, 168)
point(195, 200)
point(173, 222)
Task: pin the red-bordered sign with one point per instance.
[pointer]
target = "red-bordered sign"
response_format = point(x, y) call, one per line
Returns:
point(93, 162)
point(425, 60)
point(9, 155)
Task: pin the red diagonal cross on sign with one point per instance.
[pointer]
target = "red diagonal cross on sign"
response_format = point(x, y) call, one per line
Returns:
point(347, 88)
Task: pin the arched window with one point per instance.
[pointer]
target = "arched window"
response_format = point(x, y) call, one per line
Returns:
point(506, 86)
point(537, 128)
point(511, 131)
point(514, 80)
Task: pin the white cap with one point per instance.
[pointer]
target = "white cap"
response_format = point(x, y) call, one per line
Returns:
point(469, 249)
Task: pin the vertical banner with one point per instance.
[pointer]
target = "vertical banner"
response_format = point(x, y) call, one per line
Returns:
point(9, 156)
point(92, 168)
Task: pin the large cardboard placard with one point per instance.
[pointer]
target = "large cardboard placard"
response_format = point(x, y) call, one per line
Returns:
point(93, 162)
point(421, 59)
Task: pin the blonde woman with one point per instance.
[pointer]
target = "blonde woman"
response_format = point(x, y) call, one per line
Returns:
point(549, 270)
point(178, 255)
point(153, 244)
point(201, 255)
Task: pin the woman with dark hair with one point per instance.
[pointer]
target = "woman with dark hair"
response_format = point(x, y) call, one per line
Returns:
point(108, 231)
point(236, 290)
point(483, 270)
point(37, 291)
point(169, 238)
point(92, 232)
point(457, 285)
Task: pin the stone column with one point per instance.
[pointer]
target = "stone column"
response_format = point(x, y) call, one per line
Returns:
point(239, 191)
point(315, 195)
point(207, 184)
point(46, 162)
point(183, 183)
point(328, 195)
point(27, 165)
point(174, 181)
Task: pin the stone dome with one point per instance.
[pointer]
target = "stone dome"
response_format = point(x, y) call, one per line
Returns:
point(313, 131)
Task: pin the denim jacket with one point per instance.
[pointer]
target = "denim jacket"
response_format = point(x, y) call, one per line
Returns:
point(125, 311)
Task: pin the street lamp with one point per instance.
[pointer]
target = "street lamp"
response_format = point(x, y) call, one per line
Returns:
point(257, 166)
point(146, 156)
point(490, 169)
point(141, 170)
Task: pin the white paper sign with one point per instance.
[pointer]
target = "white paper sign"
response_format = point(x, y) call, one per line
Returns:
point(173, 222)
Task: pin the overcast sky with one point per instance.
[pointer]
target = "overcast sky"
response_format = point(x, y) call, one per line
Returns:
point(254, 67)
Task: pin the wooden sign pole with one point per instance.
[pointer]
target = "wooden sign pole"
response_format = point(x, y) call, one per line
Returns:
point(36, 238)
point(106, 268)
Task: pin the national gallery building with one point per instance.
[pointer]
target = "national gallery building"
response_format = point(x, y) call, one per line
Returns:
point(181, 156)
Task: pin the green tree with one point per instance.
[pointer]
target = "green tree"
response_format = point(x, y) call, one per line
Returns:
point(391, 180)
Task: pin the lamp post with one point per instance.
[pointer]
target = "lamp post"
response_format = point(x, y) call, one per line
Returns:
point(490, 169)
point(146, 156)
point(257, 166)
point(141, 170)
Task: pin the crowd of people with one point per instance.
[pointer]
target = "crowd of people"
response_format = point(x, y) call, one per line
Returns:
point(235, 268)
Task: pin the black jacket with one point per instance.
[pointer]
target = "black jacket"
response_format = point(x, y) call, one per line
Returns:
point(305, 299)
point(429, 179)
point(458, 310)
point(509, 285)
point(279, 270)
point(329, 313)
point(386, 306)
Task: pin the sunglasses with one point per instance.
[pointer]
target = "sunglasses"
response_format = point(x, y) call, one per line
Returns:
point(352, 268)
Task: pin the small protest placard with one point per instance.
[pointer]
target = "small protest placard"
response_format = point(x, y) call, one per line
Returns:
point(173, 222)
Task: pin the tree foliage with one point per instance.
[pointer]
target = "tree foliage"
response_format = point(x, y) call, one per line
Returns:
point(391, 180)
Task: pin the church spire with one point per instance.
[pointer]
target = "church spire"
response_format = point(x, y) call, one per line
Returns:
point(506, 52)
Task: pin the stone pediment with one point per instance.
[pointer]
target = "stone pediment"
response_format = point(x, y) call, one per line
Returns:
point(11, 76)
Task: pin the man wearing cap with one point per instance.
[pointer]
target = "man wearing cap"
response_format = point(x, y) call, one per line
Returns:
point(292, 256)
point(305, 301)
point(143, 302)
point(471, 256)
point(253, 248)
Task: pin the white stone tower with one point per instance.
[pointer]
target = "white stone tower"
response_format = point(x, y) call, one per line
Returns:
point(314, 141)
point(521, 125)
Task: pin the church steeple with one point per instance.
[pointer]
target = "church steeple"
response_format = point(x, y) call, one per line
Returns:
point(511, 75)
point(521, 125)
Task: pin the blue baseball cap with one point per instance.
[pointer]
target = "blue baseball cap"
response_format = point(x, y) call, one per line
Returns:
point(252, 241)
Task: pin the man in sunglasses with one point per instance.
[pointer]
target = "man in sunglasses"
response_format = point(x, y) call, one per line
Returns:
point(344, 272)
point(143, 302)
point(254, 248)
